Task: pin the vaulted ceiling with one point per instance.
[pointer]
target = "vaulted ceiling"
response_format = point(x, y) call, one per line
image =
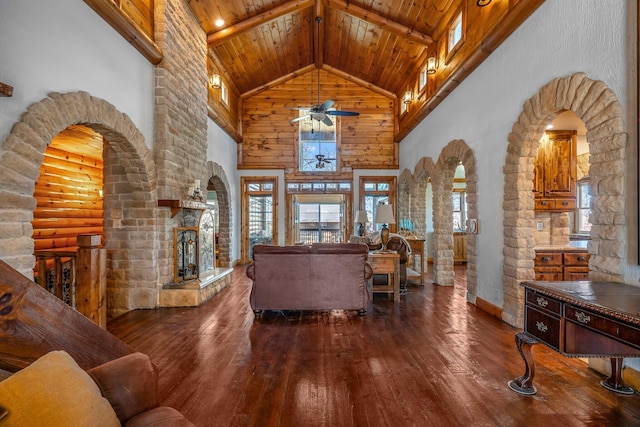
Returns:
point(378, 44)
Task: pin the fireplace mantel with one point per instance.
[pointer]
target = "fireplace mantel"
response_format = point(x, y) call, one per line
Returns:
point(176, 205)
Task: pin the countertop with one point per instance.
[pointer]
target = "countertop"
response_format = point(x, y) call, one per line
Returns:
point(573, 246)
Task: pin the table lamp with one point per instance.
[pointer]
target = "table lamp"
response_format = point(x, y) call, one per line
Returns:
point(384, 216)
point(361, 219)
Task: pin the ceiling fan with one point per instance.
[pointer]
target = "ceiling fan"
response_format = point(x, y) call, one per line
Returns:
point(322, 160)
point(322, 111)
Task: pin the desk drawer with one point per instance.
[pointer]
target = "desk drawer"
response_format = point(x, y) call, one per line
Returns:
point(543, 326)
point(621, 331)
point(543, 302)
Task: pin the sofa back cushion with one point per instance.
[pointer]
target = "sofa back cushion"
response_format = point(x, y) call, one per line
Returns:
point(281, 277)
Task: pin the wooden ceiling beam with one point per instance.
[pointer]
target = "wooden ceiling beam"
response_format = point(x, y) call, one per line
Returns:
point(278, 81)
point(382, 22)
point(360, 82)
point(221, 36)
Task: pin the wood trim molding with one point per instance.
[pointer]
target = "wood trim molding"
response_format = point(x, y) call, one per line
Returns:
point(490, 308)
point(5, 89)
point(128, 29)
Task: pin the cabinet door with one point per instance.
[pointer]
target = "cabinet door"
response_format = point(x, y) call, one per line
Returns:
point(576, 273)
point(560, 166)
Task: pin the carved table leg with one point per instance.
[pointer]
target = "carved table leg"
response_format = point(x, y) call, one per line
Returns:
point(614, 381)
point(524, 383)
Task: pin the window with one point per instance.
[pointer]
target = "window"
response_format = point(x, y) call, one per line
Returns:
point(320, 222)
point(459, 205)
point(318, 147)
point(375, 190)
point(583, 225)
point(224, 93)
point(423, 78)
point(455, 34)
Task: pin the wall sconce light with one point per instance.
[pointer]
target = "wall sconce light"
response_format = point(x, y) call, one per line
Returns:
point(482, 3)
point(214, 80)
point(407, 97)
point(431, 65)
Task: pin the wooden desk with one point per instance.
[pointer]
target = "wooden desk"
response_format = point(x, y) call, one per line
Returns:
point(580, 319)
point(417, 248)
point(387, 263)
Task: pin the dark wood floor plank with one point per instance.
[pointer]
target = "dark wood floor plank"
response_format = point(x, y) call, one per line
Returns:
point(431, 360)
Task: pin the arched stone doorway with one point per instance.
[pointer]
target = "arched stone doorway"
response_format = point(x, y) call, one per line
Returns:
point(218, 182)
point(454, 153)
point(129, 193)
point(598, 107)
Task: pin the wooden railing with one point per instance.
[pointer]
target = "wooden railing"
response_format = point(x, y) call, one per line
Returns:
point(87, 280)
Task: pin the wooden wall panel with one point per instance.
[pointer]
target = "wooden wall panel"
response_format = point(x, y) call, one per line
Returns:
point(68, 190)
point(270, 140)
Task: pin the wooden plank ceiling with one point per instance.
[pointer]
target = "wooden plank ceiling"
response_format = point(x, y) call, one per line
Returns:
point(380, 45)
point(378, 42)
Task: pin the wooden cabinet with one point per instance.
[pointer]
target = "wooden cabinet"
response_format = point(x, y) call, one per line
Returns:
point(459, 247)
point(561, 266)
point(555, 170)
point(548, 266)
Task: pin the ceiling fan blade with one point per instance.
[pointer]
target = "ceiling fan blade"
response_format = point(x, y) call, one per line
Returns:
point(326, 105)
point(327, 121)
point(297, 119)
point(342, 113)
point(299, 108)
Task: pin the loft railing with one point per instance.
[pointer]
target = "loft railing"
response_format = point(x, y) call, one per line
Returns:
point(87, 276)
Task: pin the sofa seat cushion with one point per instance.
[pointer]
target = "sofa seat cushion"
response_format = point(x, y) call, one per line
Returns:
point(54, 391)
point(159, 417)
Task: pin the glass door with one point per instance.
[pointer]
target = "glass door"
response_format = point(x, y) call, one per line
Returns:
point(258, 215)
point(320, 219)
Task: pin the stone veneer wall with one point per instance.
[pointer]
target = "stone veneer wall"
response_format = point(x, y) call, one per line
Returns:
point(180, 137)
point(598, 107)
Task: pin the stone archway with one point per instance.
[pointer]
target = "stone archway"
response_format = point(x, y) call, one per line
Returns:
point(219, 183)
point(598, 107)
point(129, 193)
point(405, 188)
point(421, 175)
point(455, 152)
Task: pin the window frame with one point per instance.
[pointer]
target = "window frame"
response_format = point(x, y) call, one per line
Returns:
point(452, 49)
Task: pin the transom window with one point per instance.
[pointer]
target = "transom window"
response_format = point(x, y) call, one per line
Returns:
point(454, 36)
point(318, 147)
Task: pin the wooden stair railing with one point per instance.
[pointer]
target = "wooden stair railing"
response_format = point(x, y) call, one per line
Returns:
point(88, 281)
point(33, 322)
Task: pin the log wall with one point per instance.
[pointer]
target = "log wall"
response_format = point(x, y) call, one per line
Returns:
point(270, 140)
point(68, 190)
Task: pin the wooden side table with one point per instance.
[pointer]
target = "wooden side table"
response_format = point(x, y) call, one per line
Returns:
point(387, 263)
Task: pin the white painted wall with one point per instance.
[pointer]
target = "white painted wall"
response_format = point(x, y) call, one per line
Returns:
point(64, 46)
point(223, 150)
point(561, 38)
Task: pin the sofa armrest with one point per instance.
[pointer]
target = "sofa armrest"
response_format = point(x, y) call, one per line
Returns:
point(129, 383)
point(251, 271)
point(368, 270)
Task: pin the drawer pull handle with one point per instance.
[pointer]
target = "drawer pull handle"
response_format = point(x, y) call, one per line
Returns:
point(565, 203)
point(542, 302)
point(583, 318)
point(544, 203)
point(541, 327)
point(544, 259)
point(581, 258)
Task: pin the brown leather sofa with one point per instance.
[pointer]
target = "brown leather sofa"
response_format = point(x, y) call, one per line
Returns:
point(130, 384)
point(323, 276)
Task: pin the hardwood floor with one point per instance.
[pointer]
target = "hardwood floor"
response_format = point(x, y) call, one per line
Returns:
point(431, 360)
